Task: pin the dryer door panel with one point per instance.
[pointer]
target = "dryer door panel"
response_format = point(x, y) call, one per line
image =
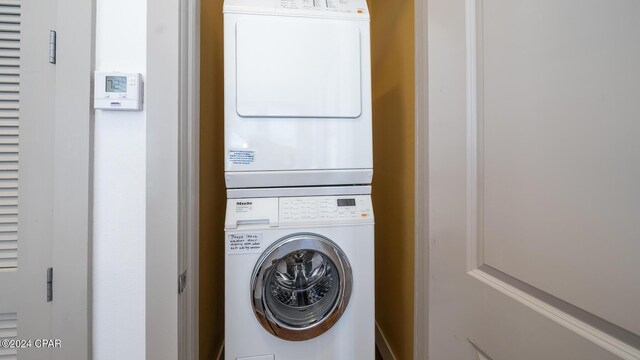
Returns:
point(297, 99)
point(298, 69)
point(301, 287)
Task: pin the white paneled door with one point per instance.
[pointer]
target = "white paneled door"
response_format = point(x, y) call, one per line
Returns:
point(44, 180)
point(534, 128)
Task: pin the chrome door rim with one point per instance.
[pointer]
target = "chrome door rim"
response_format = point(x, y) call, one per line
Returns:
point(263, 268)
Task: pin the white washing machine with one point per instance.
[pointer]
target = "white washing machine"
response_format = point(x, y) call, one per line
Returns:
point(299, 277)
point(297, 93)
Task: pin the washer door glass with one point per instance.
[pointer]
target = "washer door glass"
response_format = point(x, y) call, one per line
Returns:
point(301, 286)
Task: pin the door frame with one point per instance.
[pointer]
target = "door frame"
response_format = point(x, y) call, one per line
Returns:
point(172, 171)
point(421, 240)
point(163, 65)
point(189, 180)
point(165, 223)
point(73, 178)
point(171, 205)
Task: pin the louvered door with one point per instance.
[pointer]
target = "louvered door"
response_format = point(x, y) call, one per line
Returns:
point(9, 153)
point(27, 108)
point(9, 131)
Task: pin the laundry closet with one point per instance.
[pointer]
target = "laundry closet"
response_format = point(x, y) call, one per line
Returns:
point(269, 164)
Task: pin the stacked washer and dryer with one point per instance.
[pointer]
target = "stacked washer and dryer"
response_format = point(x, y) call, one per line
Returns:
point(299, 229)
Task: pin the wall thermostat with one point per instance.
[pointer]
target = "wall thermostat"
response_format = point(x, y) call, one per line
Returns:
point(117, 91)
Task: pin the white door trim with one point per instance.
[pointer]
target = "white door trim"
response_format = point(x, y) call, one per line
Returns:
point(73, 178)
point(421, 249)
point(172, 102)
point(189, 194)
point(55, 177)
point(162, 101)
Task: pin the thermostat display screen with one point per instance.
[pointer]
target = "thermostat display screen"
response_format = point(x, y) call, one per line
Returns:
point(116, 84)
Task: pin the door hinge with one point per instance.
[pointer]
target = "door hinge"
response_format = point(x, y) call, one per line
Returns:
point(52, 46)
point(49, 284)
point(182, 282)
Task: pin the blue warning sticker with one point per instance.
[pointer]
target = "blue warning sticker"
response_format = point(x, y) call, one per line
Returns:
point(242, 157)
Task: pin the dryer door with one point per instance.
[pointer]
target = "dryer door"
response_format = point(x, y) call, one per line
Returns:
point(301, 286)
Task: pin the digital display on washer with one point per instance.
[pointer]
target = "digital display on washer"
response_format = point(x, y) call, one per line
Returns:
point(346, 202)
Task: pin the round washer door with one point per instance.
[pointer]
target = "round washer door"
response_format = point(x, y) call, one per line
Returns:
point(301, 286)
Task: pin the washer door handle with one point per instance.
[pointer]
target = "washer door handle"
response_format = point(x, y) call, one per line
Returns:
point(252, 222)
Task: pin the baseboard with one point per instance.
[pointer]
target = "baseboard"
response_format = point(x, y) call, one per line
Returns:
point(383, 345)
point(220, 352)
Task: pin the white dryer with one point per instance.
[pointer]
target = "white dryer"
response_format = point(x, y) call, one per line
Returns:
point(297, 93)
point(299, 278)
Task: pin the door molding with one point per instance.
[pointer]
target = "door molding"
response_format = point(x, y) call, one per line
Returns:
point(162, 177)
point(173, 44)
point(73, 179)
point(421, 237)
point(189, 193)
point(383, 345)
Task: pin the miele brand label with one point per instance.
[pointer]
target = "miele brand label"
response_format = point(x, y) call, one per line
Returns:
point(242, 157)
point(244, 244)
point(244, 206)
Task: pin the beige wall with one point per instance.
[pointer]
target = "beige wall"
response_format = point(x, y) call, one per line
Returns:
point(212, 188)
point(393, 180)
point(393, 109)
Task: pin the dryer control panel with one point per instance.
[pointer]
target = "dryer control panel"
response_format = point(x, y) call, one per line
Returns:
point(352, 9)
point(344, 6)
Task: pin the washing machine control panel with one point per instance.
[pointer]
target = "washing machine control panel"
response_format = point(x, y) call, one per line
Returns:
point(326, 208)
point(298, 211)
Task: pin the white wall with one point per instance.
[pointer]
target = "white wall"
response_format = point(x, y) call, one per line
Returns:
point(119, 192)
